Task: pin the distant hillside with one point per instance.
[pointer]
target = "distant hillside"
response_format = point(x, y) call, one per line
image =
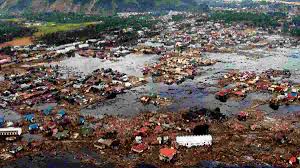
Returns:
point(96, 6)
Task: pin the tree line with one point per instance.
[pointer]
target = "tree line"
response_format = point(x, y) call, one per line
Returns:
point(9, 31)
point(109, 25)
point(255, 19)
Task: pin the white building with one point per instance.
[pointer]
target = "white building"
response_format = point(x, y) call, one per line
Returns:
point(83, 46)
point(197, 140)
point(11, 131)
point(66, 50)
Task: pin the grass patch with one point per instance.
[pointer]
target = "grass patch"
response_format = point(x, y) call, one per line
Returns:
point(50, 27)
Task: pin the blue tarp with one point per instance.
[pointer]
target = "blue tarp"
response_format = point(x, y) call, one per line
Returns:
point(1, 121)
point(62, 112)
point(29, 117)
point(33, 127)
point(294, 94)
point(48, 110)
point(81, 120)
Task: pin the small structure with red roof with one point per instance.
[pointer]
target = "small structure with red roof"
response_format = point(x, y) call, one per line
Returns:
point(167, 154)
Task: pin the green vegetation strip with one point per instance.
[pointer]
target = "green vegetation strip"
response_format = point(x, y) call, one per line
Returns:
point(51, 27)
point(257, 19)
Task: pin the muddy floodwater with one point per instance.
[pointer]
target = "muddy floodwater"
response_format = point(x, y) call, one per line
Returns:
point(1, 78)
point(257, 60)
point(191, 93)
point(10, 115)
point(131, 64)
point(61, 160)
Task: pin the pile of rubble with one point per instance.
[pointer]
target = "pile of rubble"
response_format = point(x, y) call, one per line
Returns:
point(155, 100)
point(275, 82)
point(105, 53)
point(169, 137)
point(176, 67)
point(210, 36)
point(47, 84)
point(142, 49)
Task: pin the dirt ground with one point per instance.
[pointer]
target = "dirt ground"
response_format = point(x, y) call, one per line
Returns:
point(24, 41)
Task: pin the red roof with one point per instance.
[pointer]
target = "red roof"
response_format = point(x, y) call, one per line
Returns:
point(223, 92)
point(239, 93)
point(262, 85)
point(139, 148)
point(290, 96)
point(158, 129)
point(167, 152)
point(293, 160)
point(51, 125)
point(143, 132)
point(279, 88)
point(147, 124)
point(242, 114)
point(220, 94)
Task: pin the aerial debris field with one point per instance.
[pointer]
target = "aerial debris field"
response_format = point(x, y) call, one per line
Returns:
point(187, 92)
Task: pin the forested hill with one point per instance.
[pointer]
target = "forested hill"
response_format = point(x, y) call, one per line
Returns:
point(97, 6)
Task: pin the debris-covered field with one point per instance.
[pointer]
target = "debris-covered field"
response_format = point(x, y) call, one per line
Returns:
point(184, 93)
